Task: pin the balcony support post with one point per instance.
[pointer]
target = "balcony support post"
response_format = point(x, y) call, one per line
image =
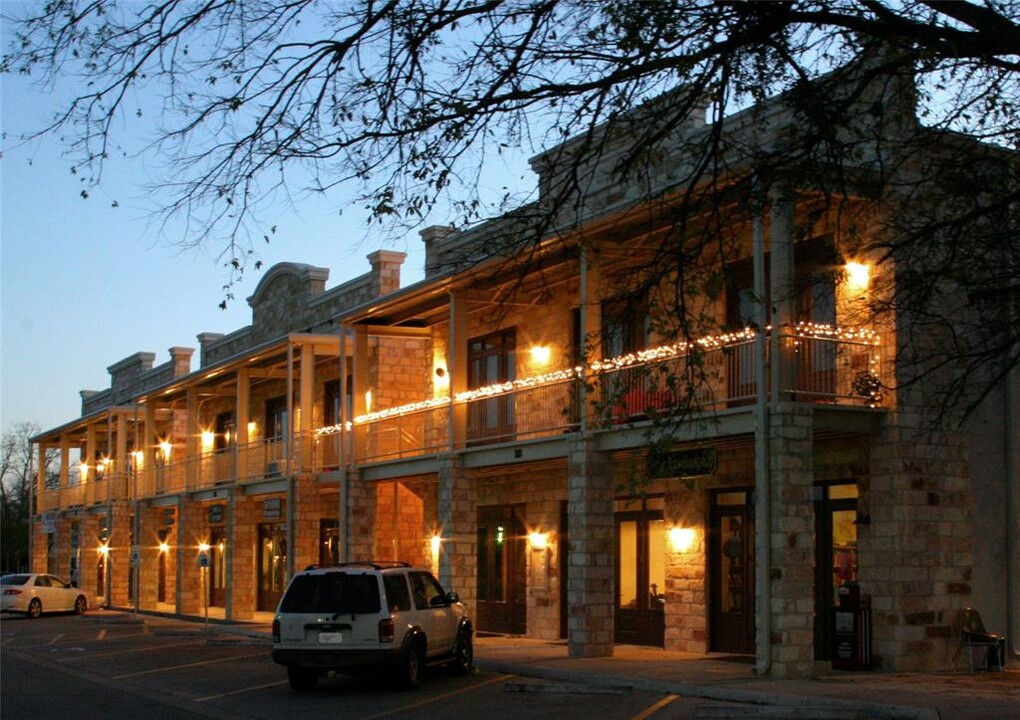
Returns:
point(782, 298)
point(191, 445)
point(361, 384)
point(306, 401)
point(457, 360)
point(241, 435)
point(591, 337)
point(120, 458)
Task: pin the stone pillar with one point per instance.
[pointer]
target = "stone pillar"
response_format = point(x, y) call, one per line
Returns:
point(189, 579)
point(149, 525)
point(792, 531)
point(458, 519)
point(590, 593)
point(361, 509)
point(305, 518)
point(119, 559)
point(242, 538)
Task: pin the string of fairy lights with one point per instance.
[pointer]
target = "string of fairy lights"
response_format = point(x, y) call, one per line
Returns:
point(672, 351)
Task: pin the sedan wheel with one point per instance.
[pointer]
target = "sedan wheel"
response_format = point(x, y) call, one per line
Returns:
point(34, 608)
point(81, 605)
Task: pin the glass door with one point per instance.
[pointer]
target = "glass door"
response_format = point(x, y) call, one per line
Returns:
point(272, 567)
point(731, 572)
point(217, 567)
point(502, 570)
point(835, 556)
point(640, 573)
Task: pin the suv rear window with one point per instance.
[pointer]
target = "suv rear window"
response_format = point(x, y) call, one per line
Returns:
point(333, 592)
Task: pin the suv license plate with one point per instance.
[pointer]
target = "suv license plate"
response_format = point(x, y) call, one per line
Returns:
point(330, 638)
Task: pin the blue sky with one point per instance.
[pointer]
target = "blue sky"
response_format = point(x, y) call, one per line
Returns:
point(84, 284)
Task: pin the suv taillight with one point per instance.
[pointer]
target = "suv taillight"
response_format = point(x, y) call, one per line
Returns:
point(386, 630)
point(276, 630)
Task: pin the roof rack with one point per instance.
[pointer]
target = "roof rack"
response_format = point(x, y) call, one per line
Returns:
point(374, 564)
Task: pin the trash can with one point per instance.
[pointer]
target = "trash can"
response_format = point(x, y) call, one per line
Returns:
point(852, 630)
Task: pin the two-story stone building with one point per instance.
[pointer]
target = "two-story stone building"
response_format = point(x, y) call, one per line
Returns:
point(538, 424)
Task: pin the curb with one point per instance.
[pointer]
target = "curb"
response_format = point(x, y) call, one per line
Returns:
point(872, 710)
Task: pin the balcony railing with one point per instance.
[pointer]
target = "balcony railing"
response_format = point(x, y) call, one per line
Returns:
point(820, 364)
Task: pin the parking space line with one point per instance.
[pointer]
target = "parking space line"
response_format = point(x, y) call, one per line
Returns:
point(656, 707)
point(241, 691)
point(90, 656)
point(187, 665)
point(437, 698)
point(55, 639)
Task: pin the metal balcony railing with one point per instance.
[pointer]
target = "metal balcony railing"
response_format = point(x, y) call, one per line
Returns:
point(817, 364)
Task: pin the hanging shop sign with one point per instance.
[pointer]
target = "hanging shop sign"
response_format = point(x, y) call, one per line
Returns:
point(50, 521)
point(271, 509)
point(216, 514)
point(682, 463)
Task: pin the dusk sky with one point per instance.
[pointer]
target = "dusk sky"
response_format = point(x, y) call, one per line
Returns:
point(85, 284)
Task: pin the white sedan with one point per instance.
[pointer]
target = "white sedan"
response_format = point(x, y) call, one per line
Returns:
point(34, 594)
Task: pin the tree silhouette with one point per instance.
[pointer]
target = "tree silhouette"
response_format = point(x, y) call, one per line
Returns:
point(910, 105)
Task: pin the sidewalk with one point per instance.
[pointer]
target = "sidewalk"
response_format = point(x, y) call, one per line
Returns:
point(944, 696)
point(834, 694)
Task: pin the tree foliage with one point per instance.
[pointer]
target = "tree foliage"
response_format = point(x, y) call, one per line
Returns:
point(409, 101)
point(18, 468)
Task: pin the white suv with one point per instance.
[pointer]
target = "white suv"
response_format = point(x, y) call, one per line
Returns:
point(367, 617)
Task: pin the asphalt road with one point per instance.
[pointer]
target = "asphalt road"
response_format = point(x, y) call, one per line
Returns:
point(124, 666)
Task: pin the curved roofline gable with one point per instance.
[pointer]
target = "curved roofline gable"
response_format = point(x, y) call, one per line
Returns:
point(312, 278)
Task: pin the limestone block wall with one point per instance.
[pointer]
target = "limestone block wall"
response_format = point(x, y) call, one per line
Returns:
point(542, 489)
point(919, 566)
point(401, 527)
point(686, 610)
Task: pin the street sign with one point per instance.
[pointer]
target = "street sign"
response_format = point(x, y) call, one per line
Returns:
point(203, 559)
point(136, 556)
